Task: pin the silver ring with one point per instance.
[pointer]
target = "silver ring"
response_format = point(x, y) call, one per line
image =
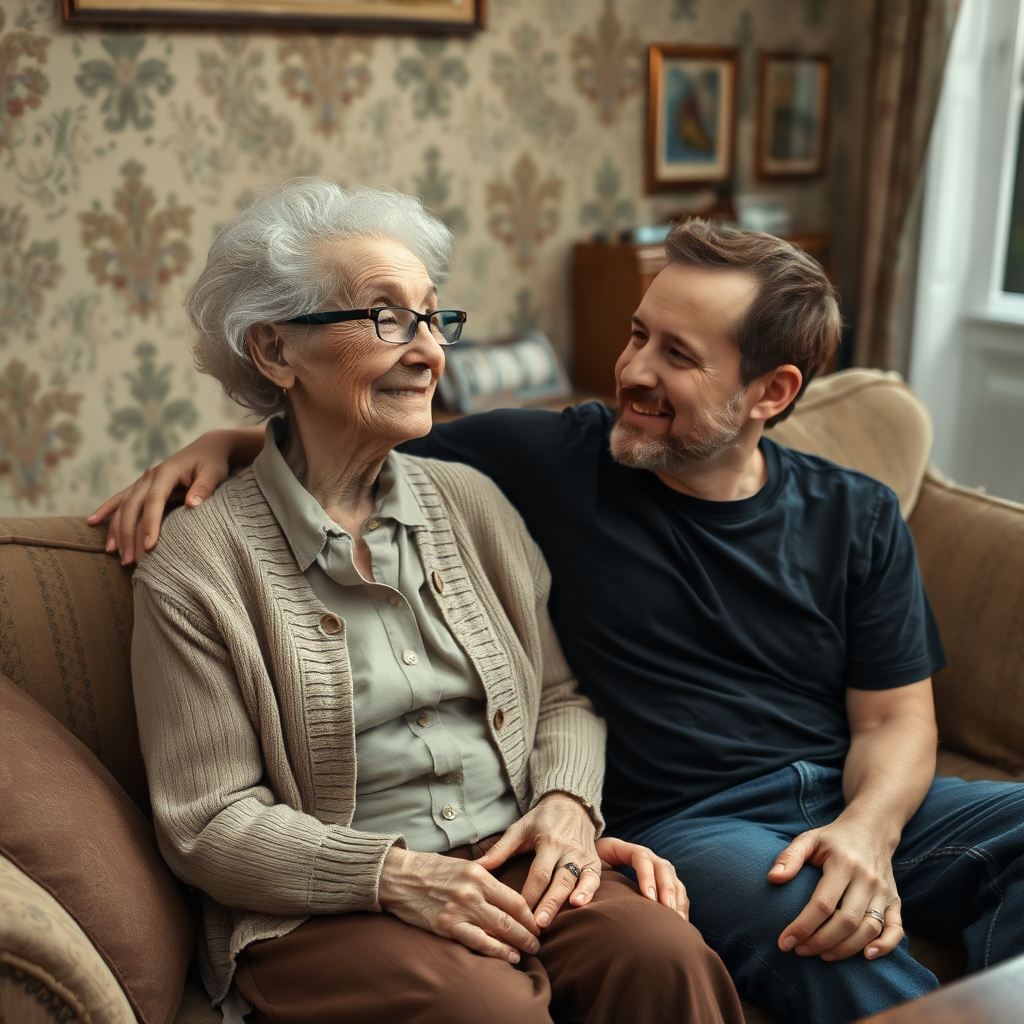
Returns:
point(596, 872)
point(573, 868)
point(876, 915)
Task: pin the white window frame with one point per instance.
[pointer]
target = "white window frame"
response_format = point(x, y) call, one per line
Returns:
point(996, 303)
point(960, 308)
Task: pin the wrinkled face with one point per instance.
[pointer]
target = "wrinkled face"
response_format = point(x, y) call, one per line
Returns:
point(681, 401)
point(347, 376)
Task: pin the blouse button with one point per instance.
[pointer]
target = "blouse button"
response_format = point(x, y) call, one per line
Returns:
point(437, 581)
point(423, 721)
point(330, 624)
point(410, 657)
point(448, 812)
point(395, 601)
point(372, 524)
point(446, 779)
point(499, 718)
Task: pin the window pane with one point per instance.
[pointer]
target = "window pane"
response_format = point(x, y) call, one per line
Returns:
point(1013, 280)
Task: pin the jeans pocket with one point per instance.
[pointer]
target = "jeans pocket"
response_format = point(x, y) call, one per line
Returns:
point(818, 790)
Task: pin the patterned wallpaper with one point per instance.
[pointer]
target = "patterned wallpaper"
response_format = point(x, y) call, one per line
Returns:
point(122, 151)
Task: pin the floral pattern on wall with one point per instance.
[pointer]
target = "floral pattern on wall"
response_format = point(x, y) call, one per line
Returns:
point(122, 151)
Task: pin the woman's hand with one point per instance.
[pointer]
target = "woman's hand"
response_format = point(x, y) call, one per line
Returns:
point(559, 831)
point(655, 876)
point(137, 511)
point(459, 900)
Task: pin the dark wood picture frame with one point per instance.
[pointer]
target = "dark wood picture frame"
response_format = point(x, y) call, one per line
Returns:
point(691, 116)
point(793, 114)
point(438, 17)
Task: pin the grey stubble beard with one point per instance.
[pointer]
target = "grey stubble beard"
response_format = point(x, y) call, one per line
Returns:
point(710, 435)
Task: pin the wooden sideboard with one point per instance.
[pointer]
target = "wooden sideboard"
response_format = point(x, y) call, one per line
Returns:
point(609, 280)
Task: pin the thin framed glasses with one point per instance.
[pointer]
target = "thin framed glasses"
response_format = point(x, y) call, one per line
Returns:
point(395, 325)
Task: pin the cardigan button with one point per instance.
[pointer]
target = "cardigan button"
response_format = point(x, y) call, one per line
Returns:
point(331, 624)
point(438, 582)
point(499, 718)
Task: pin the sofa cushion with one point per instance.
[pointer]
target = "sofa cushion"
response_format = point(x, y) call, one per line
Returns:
point(68, 825)
point(971, 551)
point(868, 420)
point(65, 636)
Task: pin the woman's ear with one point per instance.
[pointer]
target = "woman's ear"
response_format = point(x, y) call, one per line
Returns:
point(267, 349)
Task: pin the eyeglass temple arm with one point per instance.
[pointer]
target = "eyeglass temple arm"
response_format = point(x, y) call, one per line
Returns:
point(319, 319)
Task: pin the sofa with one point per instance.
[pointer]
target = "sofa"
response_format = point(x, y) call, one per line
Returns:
point(73, 769)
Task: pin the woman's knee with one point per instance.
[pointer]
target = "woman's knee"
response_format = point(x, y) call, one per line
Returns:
point(494, 992)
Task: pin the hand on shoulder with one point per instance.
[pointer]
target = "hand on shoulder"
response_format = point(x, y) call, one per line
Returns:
point(136, 513)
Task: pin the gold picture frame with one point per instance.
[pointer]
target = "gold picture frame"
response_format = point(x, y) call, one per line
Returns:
point(793, 115)
point(447, 17)
point(691, 116)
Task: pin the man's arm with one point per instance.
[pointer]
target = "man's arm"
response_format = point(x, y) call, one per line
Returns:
point(888, 770)
point(499, 444)
point(137, 512)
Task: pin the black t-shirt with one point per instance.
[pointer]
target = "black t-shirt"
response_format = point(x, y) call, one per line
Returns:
point(716, 638)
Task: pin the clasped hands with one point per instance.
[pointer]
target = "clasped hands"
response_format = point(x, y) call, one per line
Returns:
point(856, 877)
point(463, 901)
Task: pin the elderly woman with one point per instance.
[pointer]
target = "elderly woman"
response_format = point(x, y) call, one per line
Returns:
point(363, 744)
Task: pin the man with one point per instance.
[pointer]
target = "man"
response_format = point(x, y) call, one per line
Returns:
point(751, 623)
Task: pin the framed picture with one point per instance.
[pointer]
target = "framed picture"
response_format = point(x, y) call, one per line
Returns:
point(792, 117)
point(691, 116)
point(398, 16)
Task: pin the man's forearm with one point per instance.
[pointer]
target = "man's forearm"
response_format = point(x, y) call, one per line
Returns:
point(888, 770)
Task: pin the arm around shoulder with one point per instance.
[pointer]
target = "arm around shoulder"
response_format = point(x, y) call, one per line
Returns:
point(136, 513)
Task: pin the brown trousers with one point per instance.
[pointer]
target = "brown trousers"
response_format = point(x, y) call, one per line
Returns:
point(622, 959)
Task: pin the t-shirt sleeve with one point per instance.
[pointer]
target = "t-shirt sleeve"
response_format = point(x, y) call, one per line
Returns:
point(892, 636)
point(517, 448)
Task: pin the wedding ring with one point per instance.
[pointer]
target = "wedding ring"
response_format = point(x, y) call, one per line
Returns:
point(876, 915)
point(596, 872)
point(574, 868)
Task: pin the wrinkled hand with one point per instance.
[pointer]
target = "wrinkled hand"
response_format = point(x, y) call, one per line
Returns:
point(655, 876)
point(856, 876)
point(458, 900)
point(137, 511)
point(558, 830)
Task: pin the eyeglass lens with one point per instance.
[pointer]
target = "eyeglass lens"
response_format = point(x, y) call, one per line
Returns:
point(398, 325)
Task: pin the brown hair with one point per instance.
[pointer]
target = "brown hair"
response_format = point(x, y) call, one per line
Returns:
point(794, 317)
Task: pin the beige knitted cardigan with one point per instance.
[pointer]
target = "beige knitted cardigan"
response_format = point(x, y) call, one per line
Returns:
point(245, 707)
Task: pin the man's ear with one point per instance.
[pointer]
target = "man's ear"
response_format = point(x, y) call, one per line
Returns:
point(779, 388)
point(267, 349)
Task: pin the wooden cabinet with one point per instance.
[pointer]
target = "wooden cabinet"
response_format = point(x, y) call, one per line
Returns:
point(609, 280)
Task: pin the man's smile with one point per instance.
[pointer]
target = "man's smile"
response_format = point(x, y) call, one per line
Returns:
point(647, 409)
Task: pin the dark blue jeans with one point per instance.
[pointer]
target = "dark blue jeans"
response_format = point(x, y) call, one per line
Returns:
point(959, 869)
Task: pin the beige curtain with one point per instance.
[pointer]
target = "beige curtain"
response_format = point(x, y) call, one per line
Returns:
point(911, 41)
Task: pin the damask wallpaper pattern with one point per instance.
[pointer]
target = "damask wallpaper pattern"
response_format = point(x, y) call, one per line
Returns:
point(123, 150)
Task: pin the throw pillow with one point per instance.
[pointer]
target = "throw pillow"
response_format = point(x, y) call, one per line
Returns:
point(68, 825)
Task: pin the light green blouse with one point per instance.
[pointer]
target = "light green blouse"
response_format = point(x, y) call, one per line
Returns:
point(426, 765)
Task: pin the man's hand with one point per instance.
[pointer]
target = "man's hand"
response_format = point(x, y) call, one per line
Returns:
point(458, 900)
point(655, 876)
point(559, 831)
point(888, 770)
point(137, 511)
point(856, 877)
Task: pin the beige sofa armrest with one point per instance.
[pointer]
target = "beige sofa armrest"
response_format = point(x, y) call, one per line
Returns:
point(971, 551)
point(49, 970)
